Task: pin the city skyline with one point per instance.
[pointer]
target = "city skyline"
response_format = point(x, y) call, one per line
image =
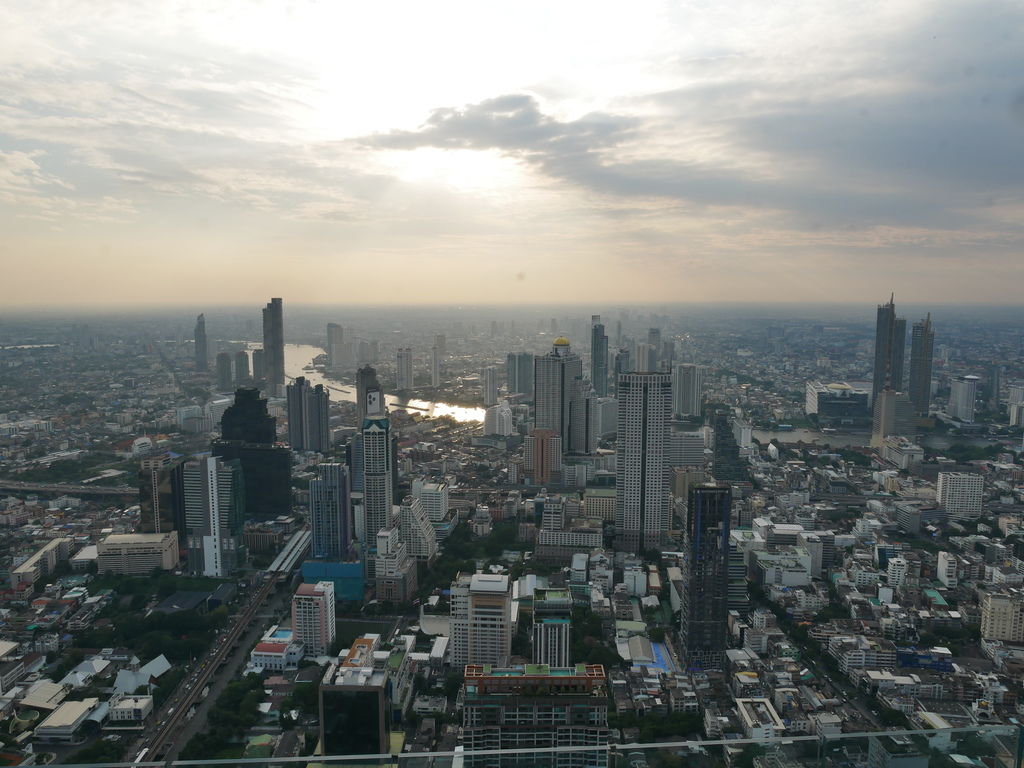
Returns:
point(714, 151)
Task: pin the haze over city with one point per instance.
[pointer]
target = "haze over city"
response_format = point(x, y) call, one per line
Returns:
point(496, 153)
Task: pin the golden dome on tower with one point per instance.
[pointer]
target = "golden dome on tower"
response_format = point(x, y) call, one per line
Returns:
point(561, 341)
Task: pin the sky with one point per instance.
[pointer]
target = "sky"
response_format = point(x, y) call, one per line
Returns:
point(161, 153)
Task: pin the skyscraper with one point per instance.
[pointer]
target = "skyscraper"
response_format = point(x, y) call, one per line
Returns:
point(598, 356)
point(224, 380)
point(435, 367)
point(241, 367)
point(557, 396)
point(248, 433)
point(963, 391)
point(642, 512)
point(329, 513)
point(519, 373)
point(893, 415)
point(378, 487)
point(259, 367)
point(704, 613)
point(688, 389)
point(922, 340)
point(161, 495)
point(403, 376)
point(654, 355)
point(308, 416)
point(489, 380)
point(366, 382)
point(890, 342)
point(995, 385)
point(273, 346)
point(621, 365)
point(335, 345)
point(202, 355)
point(214, 503)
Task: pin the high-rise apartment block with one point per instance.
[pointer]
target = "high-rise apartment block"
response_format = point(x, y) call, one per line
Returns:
point(273, 346)
point(403, 375)
point(552, 620)
point(330, 514)
point(161, 495)
point(433, 497)
point(416, 531)
point(526, 708)
point(542, 456)
point(435, 367)
point(489, 382)
point(555, 396)
point(241, 367)
point(314, 618)
point(961, 494)
point(308, 416)
point(481, 619)
point(688, 382)
point(922, 342)
point(394, 568)
point(1002, 616)
point(963, 392)
point(642, 510)
point(214, 503)
point(336, 356)
point(704, 613)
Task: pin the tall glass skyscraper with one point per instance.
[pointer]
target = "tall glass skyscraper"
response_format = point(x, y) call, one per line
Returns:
point(598, 356)
point(202, 355)
point(705, 608)
point(273, 347)
point(890, 346)
point(922, 340)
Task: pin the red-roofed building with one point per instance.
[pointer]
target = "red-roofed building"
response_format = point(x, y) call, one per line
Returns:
point(276, 657)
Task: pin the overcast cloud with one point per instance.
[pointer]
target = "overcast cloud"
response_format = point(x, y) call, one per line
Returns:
point(671, 152)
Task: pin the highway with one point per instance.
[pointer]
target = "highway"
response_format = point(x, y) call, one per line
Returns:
point(79, 489)
point(166, 738)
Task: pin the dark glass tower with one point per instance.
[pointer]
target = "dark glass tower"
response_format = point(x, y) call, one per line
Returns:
point(598, 356)
point(202, 356)
point(273, 346)
point(248, 435)
point(705, 605)
point(922, 339)
point(241, 367)
point(890, 345)
point(224, 381)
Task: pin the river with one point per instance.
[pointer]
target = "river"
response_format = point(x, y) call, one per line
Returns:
point(298, 356)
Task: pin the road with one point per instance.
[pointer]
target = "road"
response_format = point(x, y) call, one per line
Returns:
point(70, 488)
point(228, 649)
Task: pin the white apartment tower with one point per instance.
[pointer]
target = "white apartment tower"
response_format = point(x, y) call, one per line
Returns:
point(960, 494)
point(313, 617)
point(481, 620)
point(1002, 616)
point(433, 497)
point(416, 531)
point(642, 511)
point(214, 494)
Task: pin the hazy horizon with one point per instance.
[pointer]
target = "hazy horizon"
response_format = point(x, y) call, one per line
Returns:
point(464, 154)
